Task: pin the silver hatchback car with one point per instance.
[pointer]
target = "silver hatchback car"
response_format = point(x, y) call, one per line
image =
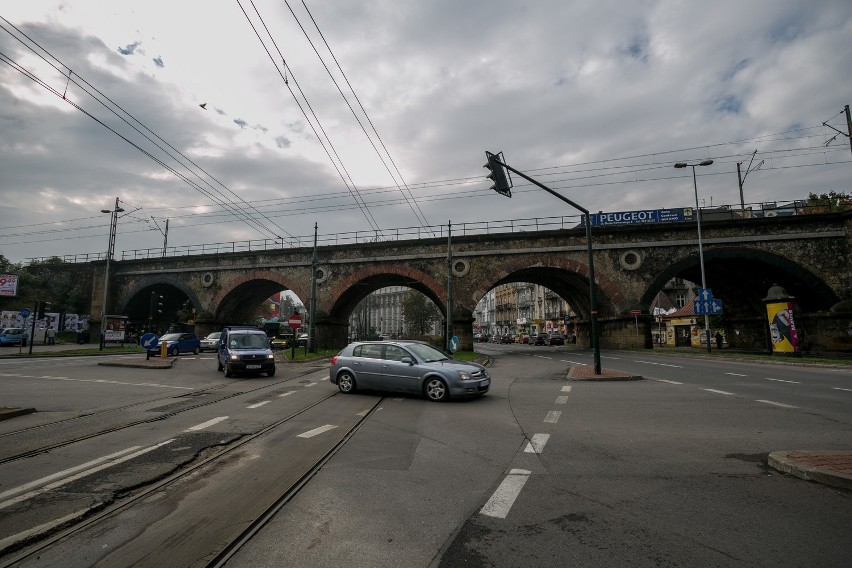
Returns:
point(406, 366)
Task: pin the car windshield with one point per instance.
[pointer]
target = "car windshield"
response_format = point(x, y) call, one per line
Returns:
point(249, 341)
point(426, 352)
point(170, 337)
point(214, 335)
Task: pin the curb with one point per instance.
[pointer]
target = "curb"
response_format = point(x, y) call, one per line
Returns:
point(785, 462)
point(586, 373)
point(146, 364)
point(7, 413)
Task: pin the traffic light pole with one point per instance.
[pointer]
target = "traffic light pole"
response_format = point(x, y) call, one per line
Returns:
point(593, 304)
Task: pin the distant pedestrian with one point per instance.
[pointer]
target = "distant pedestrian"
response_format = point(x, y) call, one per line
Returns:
point(51, 336)
point(718, 340)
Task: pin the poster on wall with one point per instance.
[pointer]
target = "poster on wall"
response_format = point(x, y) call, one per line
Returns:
point(782, 328)
point(8, 285)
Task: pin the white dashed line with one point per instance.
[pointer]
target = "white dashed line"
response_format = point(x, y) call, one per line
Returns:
point(258, 404)
point(288, 393)
point(572, 362)
point(504, 497)
point(736, 375)
point(781, 404)
point(658, 364)
point(553, 416)
point(719, 392)
point(207, 424)
point(841, 389)
point(783, 381)
point(316, 431)
point(542, 357)
point(667, 381)
point(536, 443)
point(562, 399)
point(566, 388)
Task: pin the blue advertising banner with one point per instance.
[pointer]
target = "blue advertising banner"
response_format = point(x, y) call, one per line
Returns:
point(678, 215)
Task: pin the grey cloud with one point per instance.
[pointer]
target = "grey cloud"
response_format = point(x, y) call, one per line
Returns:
point(158, 61)
point(130, 49)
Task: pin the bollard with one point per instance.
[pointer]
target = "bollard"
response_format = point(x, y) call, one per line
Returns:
point(164, 349)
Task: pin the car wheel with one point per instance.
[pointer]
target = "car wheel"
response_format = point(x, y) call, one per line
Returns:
point(346, 382)
point(174, 352)
point(197, 351)
point(228, 372)
point(270, 373)
point(436, 390)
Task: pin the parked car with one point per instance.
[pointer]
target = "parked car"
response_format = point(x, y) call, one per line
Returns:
point(178, 343)
point(524, 338)
point(14, 336)
point(243, 349)
point(506, 339)
point(557, 339)
point(406, 366)
point(211, 342)
point(541, 339)
point(302, 340)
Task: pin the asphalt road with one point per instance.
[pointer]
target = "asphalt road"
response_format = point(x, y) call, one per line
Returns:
point(667, 471)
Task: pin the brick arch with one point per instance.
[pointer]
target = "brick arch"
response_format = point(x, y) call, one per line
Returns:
point(609, 293)
point(285, 282)
point(429, 282)
point(166, 280)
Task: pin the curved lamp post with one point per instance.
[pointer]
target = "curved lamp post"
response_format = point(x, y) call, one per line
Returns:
point(700, 246)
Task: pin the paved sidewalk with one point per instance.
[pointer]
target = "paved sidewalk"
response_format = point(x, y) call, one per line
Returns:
point(830, 467)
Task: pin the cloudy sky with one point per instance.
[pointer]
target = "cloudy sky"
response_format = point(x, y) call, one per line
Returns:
point(597, 99)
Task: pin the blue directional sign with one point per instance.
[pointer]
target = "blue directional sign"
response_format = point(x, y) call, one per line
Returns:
point(149, 340)
point(711, 307)
point(705, 294)
point(454, 344)
point(25, 313)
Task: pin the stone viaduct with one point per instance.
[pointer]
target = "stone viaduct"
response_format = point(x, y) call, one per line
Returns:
point(809, 255)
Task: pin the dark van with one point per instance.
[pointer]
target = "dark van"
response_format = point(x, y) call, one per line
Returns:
point(245, 350)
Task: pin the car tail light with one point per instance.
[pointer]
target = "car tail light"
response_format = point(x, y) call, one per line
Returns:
point(334, 360)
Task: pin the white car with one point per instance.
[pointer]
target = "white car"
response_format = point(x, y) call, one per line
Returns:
point(211, 342)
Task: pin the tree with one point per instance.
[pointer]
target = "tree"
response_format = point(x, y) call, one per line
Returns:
point(419, 313)
point(833, 201)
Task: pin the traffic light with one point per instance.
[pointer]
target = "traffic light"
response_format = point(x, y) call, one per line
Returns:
point(156, 307)
point(500, 176)
point(42, 307)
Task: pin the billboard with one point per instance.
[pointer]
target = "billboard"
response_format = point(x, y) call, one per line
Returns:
point(8, 285)
point(643, 216)
point(782, 328)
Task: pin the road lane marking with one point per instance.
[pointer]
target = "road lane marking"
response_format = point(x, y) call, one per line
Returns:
point(562, 399)
point(288, 393)
point(536, 443)
point(659, 364)
point(718, 391)
point(841, 389)
point(316, 431)
point(736, 375)
point(553, 416)
point(542, 357)
point(80, 475)
point(504, 497)
point(310, 385)
point(783, 381)
point(99, 381)
point(566, 388)
point(667, 381)
point(21, 536)
point(63, 473)
point(781, 404)
point(258, 404)
point(207, 424)
point(572, 362)
point(363, 412)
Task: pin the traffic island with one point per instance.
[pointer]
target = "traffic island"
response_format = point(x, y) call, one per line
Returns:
point(11, 412)
point(152, 363)
point(829, 467)
point(587, 373)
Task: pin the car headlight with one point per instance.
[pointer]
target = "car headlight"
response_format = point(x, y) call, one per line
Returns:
point(270, 356)
point(464, 376)
point(235, 357)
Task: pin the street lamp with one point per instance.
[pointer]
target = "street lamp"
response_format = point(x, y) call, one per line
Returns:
point(110, 250)
point(700, 246)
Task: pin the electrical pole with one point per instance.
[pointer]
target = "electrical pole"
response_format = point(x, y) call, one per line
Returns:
point(312, 341)
point(449, 284)
point(848, 125)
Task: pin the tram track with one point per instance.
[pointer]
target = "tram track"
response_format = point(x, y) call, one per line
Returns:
point(222, 553)
point(163, 416)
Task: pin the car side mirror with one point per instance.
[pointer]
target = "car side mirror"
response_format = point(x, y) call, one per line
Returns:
point(407, 360)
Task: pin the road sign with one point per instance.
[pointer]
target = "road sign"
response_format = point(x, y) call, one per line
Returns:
point(294, 321)
point(25, 313)
point(635, 312)
point(149, 341)
point(707, 307)
point(454, 344)
point(705, 294)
